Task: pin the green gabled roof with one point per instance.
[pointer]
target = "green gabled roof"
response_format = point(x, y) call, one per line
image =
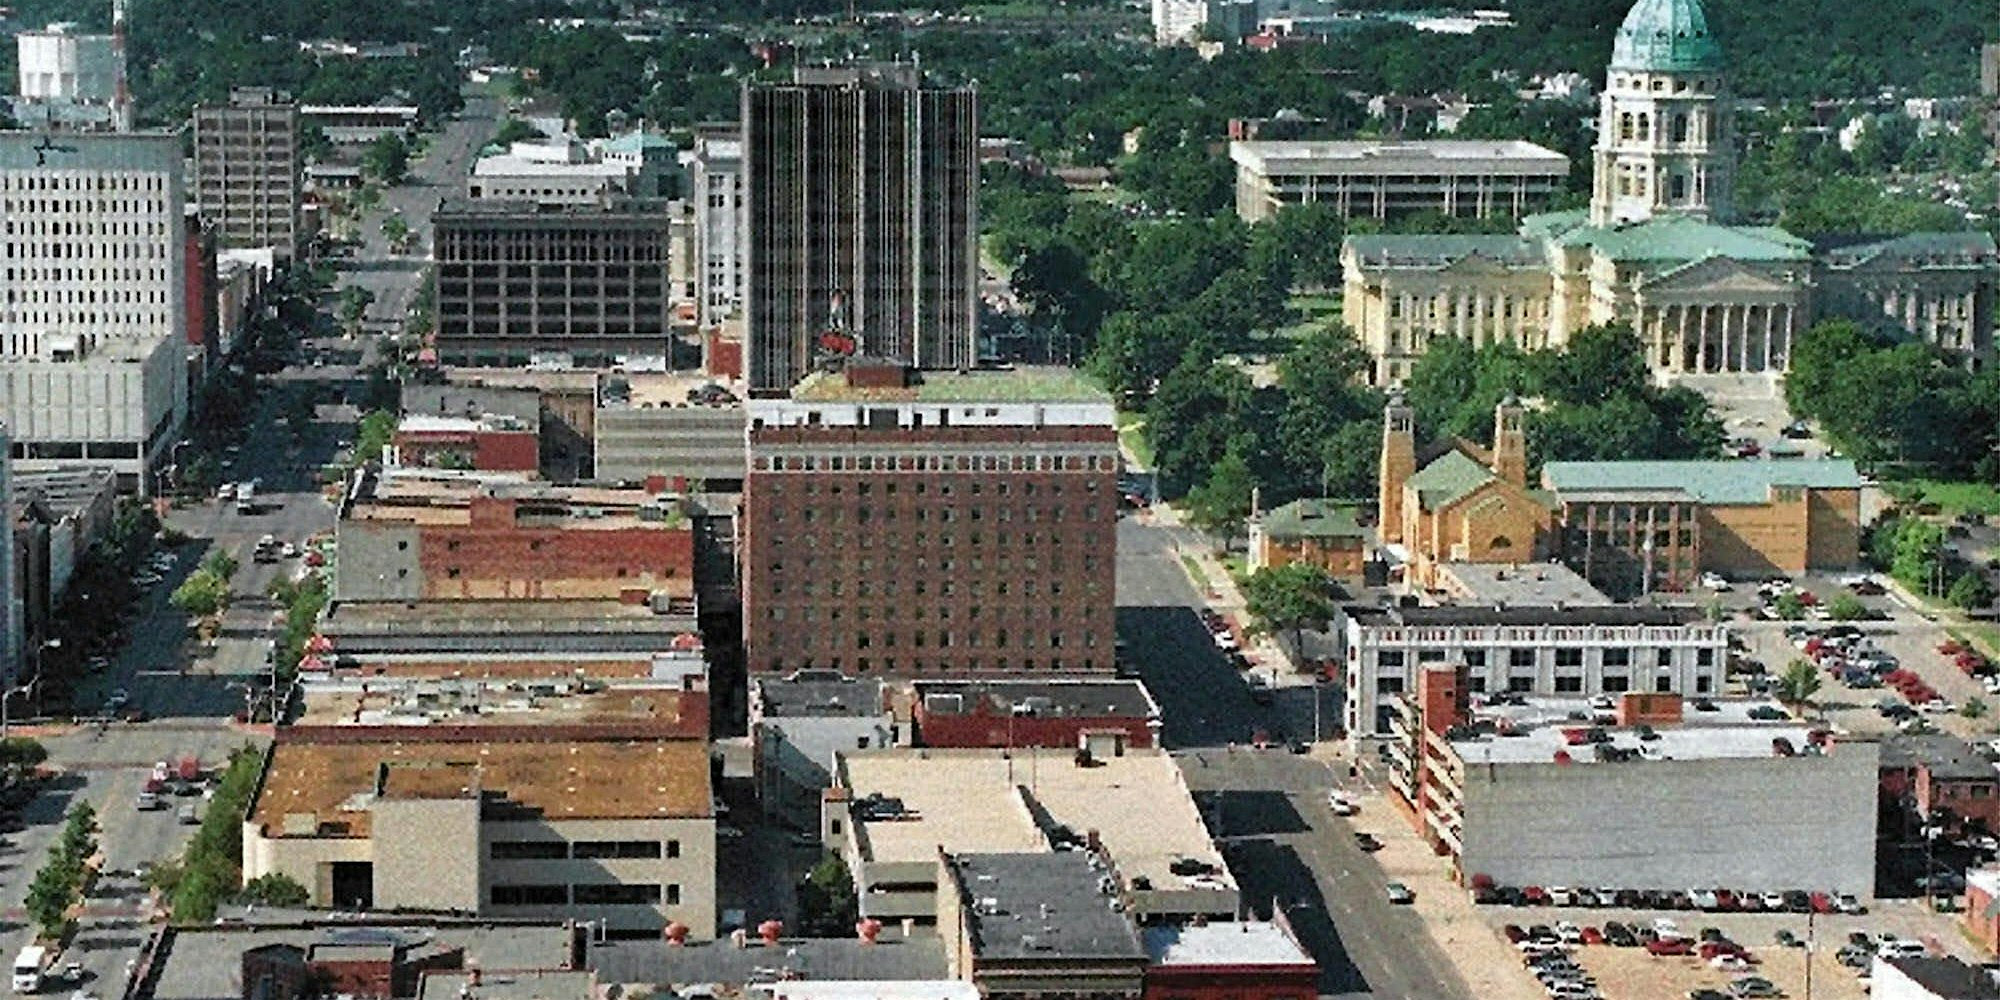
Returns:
point(1313, 519)
point(635, 142)
point(1677, 238)
point(1969, 243)
point(1453, 475)
point(1666, 36)
point(1739, 481)
point(1434, 250)
point(1549, 225)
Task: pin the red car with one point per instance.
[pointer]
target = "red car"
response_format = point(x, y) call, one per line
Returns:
point(1514, 934)
point(1726, 900)
point(1592, 935)
point(1668, 946)
point(1823, 903)
point(1535, 895)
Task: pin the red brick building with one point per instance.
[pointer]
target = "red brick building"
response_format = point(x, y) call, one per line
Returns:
point(1240, 960)
point(965, 523)
point(198, 277)
point(486, 443)
point(413, 534)
point(1938, 779)
point(1055, 713)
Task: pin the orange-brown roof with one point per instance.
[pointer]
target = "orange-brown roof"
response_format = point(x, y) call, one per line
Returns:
point(561, 780)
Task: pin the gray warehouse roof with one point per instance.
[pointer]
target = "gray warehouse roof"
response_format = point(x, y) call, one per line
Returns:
point(1946, 756)
point(1367, 157)
point(204, 963)
point(815, 694)
point(892, 957)
point(1042, 906)
point(1056, 698)
point(1523, 616)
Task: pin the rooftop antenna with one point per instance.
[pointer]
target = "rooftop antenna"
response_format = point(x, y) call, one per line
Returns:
point(121, 100)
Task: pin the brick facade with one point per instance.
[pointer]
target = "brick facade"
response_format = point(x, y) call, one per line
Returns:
point(501, 555)
point(863, 555)
point(982, 727)
point(483, 450)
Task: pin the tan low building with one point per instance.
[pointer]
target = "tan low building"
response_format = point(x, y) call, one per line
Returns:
point(620, 831)
point(1323, 533)
point(1464, 503)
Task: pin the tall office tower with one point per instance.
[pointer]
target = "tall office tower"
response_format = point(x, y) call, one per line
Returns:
point(716, 191)
point(246, 168)
point(93, 311)
point(862, 221)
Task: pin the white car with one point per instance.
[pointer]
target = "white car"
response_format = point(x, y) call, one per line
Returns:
point(1666, 928)
point(1846, 903)
point(1342, 804)
point(1704, 899)
point(1560, 896)
point(1901, 948)
point(1935, 706)
point(1774, 901)
point(1569, 932)
point(1225, 640)
point(288, 550)
point(1715, 582)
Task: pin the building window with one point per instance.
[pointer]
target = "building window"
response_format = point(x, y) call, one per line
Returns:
point(1663, 684)
point(1388, 685)
point(616, 895)
point(1615, 683)
point(1520, 685)
point(1618, 657)
point(1520, 657)
point(1569, 657)
point(529, 850)
point(1664, 657)
point(1389, 658)
point(616, 849)
point(673, 848)
point(673, 894)
point(1475, 657)
point(1704, 684)
point(1569, 684)
point(1704, 657)
point(530, 895)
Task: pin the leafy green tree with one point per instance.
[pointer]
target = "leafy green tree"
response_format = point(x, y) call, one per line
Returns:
point(1199, 412)
point(1219, 505)
point(1970, 591)
point(828, 906)
point(395, 229)
point(1350, 460)
point(1290, 599)
point(1846, 608)
point(201, 594)
point(377, 430)
point(1919, 545)
point(1789, 606)
point(1798, 683)
point(1974, 708)
point(21, 753)
point(220, 564)
point(274, 889)
point(387, 159)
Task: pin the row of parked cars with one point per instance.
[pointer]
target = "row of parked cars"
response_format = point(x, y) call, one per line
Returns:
point(1707, 900)
point(1547, 954)
point(1547, 951)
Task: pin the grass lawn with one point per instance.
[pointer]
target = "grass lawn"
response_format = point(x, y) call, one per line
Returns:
point(1238, 566)
point(1131, 434)
point(1954, 497)
point(1314, 311)
point(1194, 572)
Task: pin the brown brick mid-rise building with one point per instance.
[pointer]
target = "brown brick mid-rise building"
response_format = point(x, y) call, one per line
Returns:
point(416, 534)
point(962, 524)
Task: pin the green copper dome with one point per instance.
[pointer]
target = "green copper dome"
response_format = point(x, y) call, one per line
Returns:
point(1666, 36)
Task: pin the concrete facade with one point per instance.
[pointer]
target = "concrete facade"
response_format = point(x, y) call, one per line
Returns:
point(1380, 180)
point(862, 221)
point(247, 164)
point(1764, 824)
point(716, 179)
point(1585, 651)
point(589, 282)
point(679, 442)
point(501, 828)
point(119, 406)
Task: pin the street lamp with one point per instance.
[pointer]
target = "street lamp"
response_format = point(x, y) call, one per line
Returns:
point(7, 698)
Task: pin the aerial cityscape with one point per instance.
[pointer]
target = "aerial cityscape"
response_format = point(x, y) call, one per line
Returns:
point(1018, 500)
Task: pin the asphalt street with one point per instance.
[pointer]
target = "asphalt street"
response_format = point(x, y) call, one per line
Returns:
point(1267, 807)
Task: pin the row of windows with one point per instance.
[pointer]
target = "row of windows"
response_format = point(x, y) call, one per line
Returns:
point(927, 588)
point(552, 850)
point(1609, 684)
point(919, 612)
point(149, 223)
point(624, 894)
point(867, 564)
point(975, 488)
point(42, 180)
point(866, 665)
point(1611, 656)
point(942, 639)
point(937, 463)
point(946, 515)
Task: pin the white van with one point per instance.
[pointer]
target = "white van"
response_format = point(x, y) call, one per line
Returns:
point(28, 968)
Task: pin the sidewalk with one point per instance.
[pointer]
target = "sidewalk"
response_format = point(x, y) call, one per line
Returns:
point(1219, 592)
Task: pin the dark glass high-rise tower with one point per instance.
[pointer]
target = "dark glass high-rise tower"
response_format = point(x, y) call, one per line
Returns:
point(861, 222)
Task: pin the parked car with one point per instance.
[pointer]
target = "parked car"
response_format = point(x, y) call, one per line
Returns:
point(1715, 582)
point(1367, 842)
point(1900, 948)
point(1400, 894)
point(1342, 803)
point(1754, 986)
point(1667, 946)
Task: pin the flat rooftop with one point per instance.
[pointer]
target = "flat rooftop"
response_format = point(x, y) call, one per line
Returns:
point(505, 984)
point(505, 165)
point(426, 423)
point(454, 703)
point(1079, 698)
point(971, 801)
point(1041, 907)
point(1947, 757)
point(557, 779)
point(816, 694)
point(892, 957)
point(1470, 615)
point(205, 962)
point(906, 989)
point(1529, 585)
point(1533, 733)
point(445, 497)
point(448, 613)
point(1016, 385)
point(1729, 481)
point(1428, 156)
point(490, 666)
point(1233, 943)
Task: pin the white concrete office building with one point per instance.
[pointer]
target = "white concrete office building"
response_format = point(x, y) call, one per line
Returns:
point(716, 191)
point(1584, 651)
point(94, 245)
point(118, 406)
point(1381, 179)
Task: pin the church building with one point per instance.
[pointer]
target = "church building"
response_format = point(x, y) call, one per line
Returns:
point(1660, 247)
